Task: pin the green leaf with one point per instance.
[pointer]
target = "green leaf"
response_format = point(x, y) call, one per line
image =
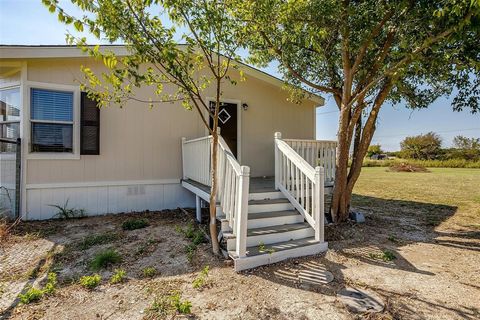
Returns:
point(78, 25)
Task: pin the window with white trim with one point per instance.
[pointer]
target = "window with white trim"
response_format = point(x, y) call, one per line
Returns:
point(51, 117)
point(9, 116)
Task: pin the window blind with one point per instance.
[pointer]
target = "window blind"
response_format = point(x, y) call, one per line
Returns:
point(51, 105)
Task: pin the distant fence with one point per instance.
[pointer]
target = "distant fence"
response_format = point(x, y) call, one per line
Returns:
point(10, 162)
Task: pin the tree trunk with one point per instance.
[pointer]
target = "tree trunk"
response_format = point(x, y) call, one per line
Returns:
point(345, 179)
point(339, 207)
point(213, 172)
point(213, 195)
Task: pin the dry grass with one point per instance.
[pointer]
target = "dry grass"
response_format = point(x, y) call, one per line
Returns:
point(6, 228)
point(447, 197)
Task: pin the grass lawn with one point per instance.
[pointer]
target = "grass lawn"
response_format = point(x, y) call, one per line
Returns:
point(447, 197)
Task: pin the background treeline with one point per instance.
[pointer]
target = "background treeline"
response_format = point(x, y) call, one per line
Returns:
point(426, 150)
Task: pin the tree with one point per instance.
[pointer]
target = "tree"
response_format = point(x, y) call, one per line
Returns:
point(469, 148)
point(148, 29)
point(364, 54)
point(423, 147)
point(461, 142)
point(374, 149)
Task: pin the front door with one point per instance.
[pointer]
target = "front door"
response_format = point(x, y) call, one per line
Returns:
point(227, 121)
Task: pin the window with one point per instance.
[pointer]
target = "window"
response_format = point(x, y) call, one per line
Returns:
point(51, 114)
point(9, 117)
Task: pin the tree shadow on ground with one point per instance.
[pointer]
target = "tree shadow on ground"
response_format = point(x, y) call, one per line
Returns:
point(389, 226)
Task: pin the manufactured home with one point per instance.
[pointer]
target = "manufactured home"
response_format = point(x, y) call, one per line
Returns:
point(58, 148)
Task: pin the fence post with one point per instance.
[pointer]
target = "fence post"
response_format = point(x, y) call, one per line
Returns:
point(319, 203)
point(277, 136)
point(242, 211)
point(18, 176)
point(183, 157)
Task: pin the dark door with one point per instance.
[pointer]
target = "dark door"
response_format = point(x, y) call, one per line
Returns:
point(227, 121)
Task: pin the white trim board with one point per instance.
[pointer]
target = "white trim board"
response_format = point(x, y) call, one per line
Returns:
point(100, 184)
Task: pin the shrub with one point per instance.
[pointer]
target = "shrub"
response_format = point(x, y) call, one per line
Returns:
point(105, 258)
point(90, 282)
point(31, 295)
point(132, 224)
point(118, 276)
point(97, 239)
point(452, 163)
point(68, 213)
point(149, 272)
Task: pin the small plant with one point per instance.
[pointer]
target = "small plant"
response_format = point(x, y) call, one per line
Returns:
point(118, 276)
point(392, 238)
point(132, 224)
point(51, 283)
point(149, 272)
point(190, 251)
point(97, 239)
point(34, 294)
point(195, 235)
point(263, 248)
point(104, 259)
point(90, 282)
point(170, 305)
point(201, 280)
point(64, 212)
point(31, 295)
point(388, 256)
point(181, 306)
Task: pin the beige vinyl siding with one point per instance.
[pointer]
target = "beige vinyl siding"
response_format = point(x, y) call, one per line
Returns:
point(138, 143)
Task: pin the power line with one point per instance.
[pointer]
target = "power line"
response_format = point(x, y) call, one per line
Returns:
point(444, 131)
point(328, 112)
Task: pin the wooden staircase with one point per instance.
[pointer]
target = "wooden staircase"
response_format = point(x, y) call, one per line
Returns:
point(266, 220)
point(275, 231)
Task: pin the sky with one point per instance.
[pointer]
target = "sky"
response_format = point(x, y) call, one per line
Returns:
point(28, 22)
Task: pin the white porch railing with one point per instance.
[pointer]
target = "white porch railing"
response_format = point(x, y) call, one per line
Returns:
point(233, 181)
point(196, 159)
point(317, 153)
point(233, 190)
point(301, 183)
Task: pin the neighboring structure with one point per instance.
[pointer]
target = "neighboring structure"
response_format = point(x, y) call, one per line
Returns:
point(120, 160)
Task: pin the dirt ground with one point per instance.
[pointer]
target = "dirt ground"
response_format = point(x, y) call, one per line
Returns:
point(434, 272)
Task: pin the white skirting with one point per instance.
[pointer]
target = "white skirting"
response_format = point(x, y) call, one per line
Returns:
point(99, 198)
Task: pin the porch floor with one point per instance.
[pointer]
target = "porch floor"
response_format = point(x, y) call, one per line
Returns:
point(257, 185)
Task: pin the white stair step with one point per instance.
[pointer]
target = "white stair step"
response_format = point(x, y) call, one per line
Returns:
point(265, 195)
point(274, 234)
point(277, 252)
point(275, 218)
point(255, 206)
